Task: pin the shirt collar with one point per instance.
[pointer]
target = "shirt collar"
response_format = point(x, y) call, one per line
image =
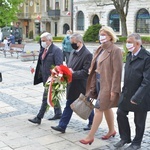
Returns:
point(135, 54)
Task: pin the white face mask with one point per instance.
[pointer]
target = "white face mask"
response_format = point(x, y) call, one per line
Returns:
point(130, 47)
point(44, 45)
point(102, 39)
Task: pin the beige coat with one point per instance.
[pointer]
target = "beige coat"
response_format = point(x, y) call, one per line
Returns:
point(109, 67)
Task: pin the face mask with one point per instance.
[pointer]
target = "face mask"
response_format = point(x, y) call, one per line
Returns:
point(102, 39)
point(74, 46)
point(130, 47)
point(44, 45)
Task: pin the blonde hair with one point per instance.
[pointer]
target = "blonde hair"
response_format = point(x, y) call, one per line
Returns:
point(110, 32)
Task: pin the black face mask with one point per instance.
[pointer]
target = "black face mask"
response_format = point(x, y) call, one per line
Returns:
point(74, 46)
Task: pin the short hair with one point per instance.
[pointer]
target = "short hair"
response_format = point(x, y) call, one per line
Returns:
point(47, 35)
point(110, 32)
point(77, 36)
point(69, 31)
point(136, 36)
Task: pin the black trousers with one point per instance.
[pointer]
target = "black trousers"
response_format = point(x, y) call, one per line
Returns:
point(57, 109)
point(124, 127)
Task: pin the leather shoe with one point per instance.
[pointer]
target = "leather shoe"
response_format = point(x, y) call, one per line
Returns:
point(88, 127)
point(121, 143)
point(133, 147)
point(58, 128)
point(35, 120)
point(55, 117)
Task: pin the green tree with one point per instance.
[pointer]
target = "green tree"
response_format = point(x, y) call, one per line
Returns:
point(8, 11)
point(91, 34)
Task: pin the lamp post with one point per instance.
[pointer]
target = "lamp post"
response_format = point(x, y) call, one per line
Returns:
point(72, 15)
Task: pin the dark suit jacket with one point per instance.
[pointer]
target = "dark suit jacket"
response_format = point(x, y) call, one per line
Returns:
point(80, 63)
point(53, 57)
point(136, 83)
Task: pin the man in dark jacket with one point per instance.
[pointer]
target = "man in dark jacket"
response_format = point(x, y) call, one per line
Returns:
point(50, 55)
point(135, 96)
point(79, 62)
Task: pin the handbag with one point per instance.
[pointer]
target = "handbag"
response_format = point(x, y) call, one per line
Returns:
point(0, 77)
point(82, 106)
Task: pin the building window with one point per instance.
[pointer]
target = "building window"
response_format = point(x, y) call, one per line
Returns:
point(65, 28)
point(114, 20)
point(56, 4)
point(66, 5)
point(143, 21)
point(95, 20)
point(37, 8)
point(80, 21)
point(48, 5)
point(26, 9)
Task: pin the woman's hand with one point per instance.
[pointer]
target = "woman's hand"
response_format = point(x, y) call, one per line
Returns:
point(113, 96)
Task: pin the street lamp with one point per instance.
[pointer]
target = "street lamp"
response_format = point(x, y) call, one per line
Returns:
point(72, 15)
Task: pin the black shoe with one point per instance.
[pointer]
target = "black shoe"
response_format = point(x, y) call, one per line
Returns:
point(58, 128)
point(88, 127)
point(121, 143)
point(55, 117)
point(35, 120)
point(133, 147)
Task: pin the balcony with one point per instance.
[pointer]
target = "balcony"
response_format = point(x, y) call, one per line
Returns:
point(54, 14)
point(24, 15)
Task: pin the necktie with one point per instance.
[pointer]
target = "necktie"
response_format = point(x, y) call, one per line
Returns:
point(44, 54)
point(133, 56)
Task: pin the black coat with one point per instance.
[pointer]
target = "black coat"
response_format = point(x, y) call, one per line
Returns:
point(53, 57)
point(136, 83)
point(80, 63)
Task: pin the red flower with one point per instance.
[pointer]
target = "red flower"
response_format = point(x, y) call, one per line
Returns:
point(60, 76)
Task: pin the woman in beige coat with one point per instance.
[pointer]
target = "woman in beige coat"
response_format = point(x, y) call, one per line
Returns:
point(104, 82)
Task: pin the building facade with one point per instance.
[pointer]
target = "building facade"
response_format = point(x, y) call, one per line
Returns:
point(36, 16)
point(57, 16)
point(88, 12)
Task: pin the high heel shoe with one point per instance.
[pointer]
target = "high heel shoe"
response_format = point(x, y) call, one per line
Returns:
point(106, 137)
point(87, 142)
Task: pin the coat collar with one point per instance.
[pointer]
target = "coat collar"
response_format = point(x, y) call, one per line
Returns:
point(140, 55)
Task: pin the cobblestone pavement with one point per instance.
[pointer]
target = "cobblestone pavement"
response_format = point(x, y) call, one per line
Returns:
point(20, 100)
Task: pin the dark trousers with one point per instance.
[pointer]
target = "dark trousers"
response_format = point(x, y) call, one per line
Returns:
point(57, 110)
point(124, 127)
point(67, 114)
point(66, 56)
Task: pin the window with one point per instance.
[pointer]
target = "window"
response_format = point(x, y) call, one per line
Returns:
point(142, 21)
point(114, 20)
point(26, 9)
point(37, 8)
point(48, 5)
point(65, 28)
point(80, 21)
point(56, 4)
point(95, 20)
point(66, 5)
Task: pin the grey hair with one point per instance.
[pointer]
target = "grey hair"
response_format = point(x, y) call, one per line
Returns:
point(47, 35)
point(77, 36)
point(136, 36)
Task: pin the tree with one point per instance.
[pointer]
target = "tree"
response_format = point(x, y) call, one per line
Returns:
point(122, 7)
point(8, 11)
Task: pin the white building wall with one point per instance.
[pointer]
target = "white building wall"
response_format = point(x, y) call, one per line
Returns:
point(89, 8)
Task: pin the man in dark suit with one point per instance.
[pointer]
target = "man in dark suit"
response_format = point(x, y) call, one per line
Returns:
point(79, 62)
point(135, 96)
point(50, 55)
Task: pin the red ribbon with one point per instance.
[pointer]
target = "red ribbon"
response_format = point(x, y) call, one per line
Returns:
point(49, 95)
